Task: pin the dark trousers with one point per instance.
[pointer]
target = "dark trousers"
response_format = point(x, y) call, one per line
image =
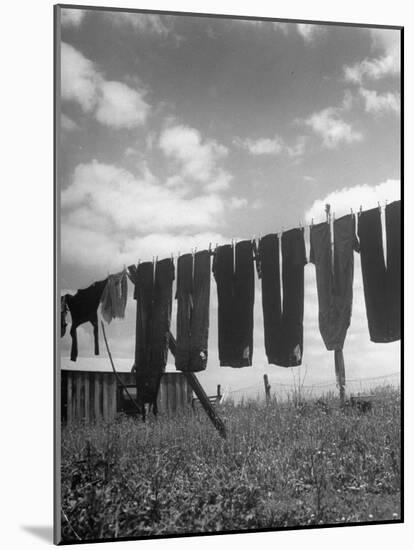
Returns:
point(193, 302)
point(334, 279)
point(153, 293)
point(235, 292)
point(283, 327)
point(382, 283)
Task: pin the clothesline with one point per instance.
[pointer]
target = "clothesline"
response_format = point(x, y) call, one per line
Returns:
point(252, 239)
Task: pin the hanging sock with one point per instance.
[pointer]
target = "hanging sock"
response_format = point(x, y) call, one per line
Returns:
point(114, 297)
point(334, 280)
point(83, 307)
point(235, 292)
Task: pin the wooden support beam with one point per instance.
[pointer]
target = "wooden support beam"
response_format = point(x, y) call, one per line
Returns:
point(201, 394)
point(267, 387)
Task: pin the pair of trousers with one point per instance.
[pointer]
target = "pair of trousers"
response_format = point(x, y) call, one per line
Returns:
point(382, 282)
point(234, 274)
point(153, 293)
point(193, 302)
point(283, 326)
point(83, 307)
point(334, 277)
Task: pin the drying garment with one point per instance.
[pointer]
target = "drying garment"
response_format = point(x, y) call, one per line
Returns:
point(114, 297)
point(334, 279)
point(382, 283)
point(83, 307)
point(63, 313)
point(283, 326)
point(154, 302)
point(235, 292)
point(193, 302)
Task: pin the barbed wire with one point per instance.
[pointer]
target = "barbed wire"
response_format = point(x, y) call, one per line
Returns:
point(277, 385)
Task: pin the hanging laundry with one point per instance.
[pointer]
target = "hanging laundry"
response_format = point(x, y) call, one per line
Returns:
point(334, 277)
point(283, 327)
point(193, 301)
point(83, 307)
point(382, 283)
point(235, 292)
point(63, 314)
point(114, 297)
point(154, 304)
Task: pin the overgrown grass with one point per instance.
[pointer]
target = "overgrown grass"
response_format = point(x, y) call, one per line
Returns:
point(281, 466)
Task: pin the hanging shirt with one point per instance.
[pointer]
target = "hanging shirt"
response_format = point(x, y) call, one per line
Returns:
point(382, 282)
point(114, 297)
point(83, 307)
point(334, 277)
point(235, 292)
point(193, 302)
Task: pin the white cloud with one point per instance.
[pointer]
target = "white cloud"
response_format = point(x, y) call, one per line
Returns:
point(71, 17)
point(332, 128)
point(262, 146)
point(113, 103)
point(380, 103)
point(143, 22)
point(110, 215)
point(79, 79)
point(344, 199)
point(67, 123)
point(197, 159)
point(309, 31)
point(272, 146)
point(386, 42)
point(120, 106)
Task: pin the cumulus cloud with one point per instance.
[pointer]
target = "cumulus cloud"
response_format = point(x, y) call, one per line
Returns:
point(378, 103)
point(147, 23)
point(271, 146)
point(67, 123)
point(197, 159)
point(344, 199)
point(333, 130)
point(309, 32)
point(71, 17)
point(386, 43)
point(112, 103)
point(109, 214)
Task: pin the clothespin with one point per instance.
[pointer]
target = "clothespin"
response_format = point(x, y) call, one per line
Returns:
point(360, 208)
point(209, 247)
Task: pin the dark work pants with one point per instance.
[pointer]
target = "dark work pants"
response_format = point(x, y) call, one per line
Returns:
point(382, 283)
point(193, 302)
point(334, 280)
point(154, 302)
point(283, 328)
point(235, 292)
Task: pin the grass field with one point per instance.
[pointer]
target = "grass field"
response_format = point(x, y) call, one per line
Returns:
point(282, 465)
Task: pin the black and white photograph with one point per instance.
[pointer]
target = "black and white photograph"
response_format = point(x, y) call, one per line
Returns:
point(229, 269)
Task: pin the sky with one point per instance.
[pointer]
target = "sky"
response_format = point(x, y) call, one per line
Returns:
point(180, 131)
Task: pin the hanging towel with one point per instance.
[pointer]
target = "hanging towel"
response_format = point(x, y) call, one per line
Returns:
point(235, 292)
point(334, 279)
point(114, 297)
point(83, 307)
point(283, 327)
point(193, 302)
point(382, 283)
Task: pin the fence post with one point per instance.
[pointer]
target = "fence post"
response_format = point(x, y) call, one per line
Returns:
point(267, 387)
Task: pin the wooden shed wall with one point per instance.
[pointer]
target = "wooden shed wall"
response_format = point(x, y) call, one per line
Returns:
point(96, 396)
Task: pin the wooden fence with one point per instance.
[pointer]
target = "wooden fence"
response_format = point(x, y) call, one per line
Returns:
point(95, 396)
